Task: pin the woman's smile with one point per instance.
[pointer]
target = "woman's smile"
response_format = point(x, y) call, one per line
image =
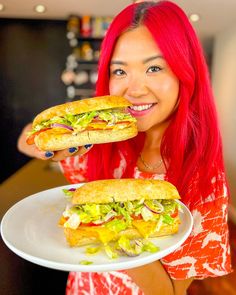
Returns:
point(138, 110)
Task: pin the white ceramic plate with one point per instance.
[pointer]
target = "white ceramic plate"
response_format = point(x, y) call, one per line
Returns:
point(30, 230)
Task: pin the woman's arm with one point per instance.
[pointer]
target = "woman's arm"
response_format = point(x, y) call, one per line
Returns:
point(154, 280)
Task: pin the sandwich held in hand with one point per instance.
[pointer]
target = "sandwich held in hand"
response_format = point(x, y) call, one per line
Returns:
point(121, 214)
point(88, 121)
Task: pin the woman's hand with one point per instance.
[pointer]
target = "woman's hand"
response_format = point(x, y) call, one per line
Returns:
point(34, 152)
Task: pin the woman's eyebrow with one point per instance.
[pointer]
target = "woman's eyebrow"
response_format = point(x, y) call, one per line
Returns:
point(117, 62)
point(146, 60)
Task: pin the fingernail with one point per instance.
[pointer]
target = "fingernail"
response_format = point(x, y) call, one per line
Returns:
point(49, 154)
point(88, 146)
point(72, 150)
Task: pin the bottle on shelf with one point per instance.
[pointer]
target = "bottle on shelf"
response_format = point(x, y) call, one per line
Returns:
point(86, 28)
point(86, 51)
point(85, 34)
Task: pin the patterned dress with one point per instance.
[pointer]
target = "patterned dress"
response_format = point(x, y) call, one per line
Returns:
point(206, 252)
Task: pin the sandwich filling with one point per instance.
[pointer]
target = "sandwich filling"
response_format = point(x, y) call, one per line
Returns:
point(111, 119)
point(105, 221)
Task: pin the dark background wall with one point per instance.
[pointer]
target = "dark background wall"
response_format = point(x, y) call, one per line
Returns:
point(32, 57)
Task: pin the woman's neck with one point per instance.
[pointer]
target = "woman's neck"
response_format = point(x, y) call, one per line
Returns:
point(154, 137)
point(150, 159)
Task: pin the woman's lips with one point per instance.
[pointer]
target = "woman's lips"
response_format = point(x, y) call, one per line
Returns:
point(141, 109)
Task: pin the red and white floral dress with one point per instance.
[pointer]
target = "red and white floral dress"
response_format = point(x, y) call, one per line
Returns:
point(206, 252)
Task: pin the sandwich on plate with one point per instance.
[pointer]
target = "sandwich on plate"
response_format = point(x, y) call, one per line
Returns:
point(88, 121)
point(121, 214)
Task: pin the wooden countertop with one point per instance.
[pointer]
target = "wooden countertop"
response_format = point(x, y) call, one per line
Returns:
point(35, 176)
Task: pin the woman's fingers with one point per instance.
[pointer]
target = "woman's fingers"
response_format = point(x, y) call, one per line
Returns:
point(31, 150)
point(73, 151)
point(84, 149)
point(34, 152)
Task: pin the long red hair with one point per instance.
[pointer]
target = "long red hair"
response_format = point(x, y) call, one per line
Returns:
point(192, 143)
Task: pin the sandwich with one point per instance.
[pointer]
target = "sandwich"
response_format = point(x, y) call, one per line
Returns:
point(121, 214)
point(89, 121)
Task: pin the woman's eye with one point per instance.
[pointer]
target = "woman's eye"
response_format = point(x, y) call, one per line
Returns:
point(153, 69)
point(118, 72)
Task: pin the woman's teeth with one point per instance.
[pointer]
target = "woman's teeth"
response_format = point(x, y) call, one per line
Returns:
point(141, 107)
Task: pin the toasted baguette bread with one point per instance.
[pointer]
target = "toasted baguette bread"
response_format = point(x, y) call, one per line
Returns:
point(121, 190)
point(54, 140)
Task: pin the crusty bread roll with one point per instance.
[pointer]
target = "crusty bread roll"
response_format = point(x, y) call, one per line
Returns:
point(48, 137)
point(116, 193)
point(121, 190)
point(52, 140)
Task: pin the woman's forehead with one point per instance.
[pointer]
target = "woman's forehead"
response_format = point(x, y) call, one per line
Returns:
point(136, 43)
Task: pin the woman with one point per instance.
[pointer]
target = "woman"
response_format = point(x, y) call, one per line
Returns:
point(152, 57)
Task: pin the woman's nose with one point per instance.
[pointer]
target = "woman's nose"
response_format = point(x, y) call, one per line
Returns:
point(137, 88)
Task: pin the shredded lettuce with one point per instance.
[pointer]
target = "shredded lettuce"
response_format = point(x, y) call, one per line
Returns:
point(81, 121)
point(169, 206)
point(85, 262)
point(149, 247)
point(67, 193)
point(168, 219)
point(110, 251)
point(125, 211)
point(116, 225)
point(92, 250)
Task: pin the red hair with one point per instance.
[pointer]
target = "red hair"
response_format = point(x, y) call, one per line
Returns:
point(191, 144)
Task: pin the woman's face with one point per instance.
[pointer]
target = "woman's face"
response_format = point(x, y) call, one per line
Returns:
point(139, 72)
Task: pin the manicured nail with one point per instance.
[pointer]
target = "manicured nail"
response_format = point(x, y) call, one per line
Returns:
point(73, 150)
point(88, 146)
point(49, 154)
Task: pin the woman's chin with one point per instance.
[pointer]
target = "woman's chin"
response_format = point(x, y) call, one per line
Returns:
point(142, 128)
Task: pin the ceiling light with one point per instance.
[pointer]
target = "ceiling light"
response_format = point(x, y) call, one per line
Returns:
point(2, 7)
point(40, 8)
point(194, 17)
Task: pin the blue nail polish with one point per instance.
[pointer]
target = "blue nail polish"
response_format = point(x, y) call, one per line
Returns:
point(87, 146)
point(49, 154)
point(72, 150)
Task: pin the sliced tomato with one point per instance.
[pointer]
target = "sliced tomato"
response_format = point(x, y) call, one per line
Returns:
point(91, 224)
point(90, 128)
point(175, 214)
point(30, 139)
point(64, 219)
point(137, 217)
point(123, 122)
point(97, 120)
